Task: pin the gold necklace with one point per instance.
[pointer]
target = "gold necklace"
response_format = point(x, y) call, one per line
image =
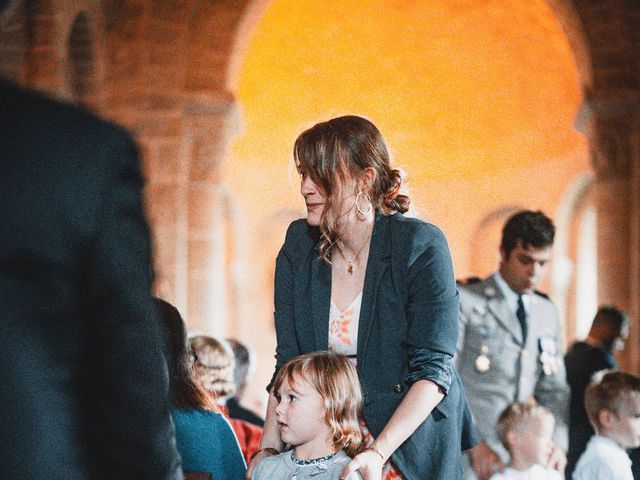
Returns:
point(351, 262)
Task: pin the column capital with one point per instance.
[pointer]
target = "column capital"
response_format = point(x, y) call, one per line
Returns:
point(608, 120)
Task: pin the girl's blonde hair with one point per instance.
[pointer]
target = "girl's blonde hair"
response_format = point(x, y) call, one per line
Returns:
point(335, 378)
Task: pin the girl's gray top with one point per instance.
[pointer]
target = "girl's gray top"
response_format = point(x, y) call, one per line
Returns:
point(282, 467)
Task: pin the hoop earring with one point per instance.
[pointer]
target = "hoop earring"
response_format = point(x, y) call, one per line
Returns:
point(368, 198)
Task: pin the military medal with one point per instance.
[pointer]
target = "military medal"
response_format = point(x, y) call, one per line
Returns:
point(483, 364)
point(548, 356)
point(547, 366)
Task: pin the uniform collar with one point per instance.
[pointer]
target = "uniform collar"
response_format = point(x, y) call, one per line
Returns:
point(510, 296)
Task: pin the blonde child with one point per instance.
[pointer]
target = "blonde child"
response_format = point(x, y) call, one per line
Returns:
point(318, 412)
point(526, 430)
point(612, 402)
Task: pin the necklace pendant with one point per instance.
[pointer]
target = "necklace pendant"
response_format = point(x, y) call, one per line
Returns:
point(350, 268)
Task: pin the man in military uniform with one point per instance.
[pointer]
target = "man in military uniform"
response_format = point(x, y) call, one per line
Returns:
point(510, 343)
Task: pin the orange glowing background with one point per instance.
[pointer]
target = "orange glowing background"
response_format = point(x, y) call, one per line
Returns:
point(476, 100)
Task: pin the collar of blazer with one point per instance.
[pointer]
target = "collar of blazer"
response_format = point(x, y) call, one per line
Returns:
point(377, 263)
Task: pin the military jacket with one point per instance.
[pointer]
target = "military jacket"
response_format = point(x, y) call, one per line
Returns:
point(498, 368)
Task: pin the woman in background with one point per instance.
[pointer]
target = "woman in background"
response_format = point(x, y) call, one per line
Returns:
point(214, 368)
point(204, 439)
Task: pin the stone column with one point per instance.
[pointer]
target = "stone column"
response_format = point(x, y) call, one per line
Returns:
point(212, 122)
point(157, 123)
point(610, 132)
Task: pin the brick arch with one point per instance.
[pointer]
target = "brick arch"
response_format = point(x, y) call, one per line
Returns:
point(601, 37)
point(48, 29)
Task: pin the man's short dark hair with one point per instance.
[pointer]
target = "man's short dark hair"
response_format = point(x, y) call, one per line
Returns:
point(533, 229)
point(610, 316)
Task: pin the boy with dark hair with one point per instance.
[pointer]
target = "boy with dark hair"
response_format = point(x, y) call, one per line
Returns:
point(612, 402)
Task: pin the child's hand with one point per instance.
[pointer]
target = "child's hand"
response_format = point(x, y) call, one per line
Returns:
point(484, 461)
point(368, 463)
point(557, 459)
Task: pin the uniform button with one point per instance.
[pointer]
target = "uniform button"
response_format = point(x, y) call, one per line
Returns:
point(398, 388)
point(524, 353)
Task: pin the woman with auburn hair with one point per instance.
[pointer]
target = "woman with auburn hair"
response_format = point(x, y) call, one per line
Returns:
point(204, 439)
point(361, 279)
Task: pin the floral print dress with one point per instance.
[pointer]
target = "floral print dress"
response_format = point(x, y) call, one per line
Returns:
point(343, 339)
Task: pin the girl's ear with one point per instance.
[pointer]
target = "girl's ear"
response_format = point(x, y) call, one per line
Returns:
point(369, 175)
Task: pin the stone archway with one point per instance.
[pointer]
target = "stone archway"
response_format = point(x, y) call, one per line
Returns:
point(606, 55)
point(606, 64)
point(169, 74)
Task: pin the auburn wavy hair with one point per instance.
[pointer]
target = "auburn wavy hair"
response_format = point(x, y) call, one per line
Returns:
point(334, 151)
point(335, 378)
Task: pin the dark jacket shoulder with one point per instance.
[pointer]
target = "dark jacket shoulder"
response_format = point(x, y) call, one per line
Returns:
point(414, 236)
point(299, 239)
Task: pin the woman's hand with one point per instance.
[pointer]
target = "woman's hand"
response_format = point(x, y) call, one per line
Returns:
point(255, 459)
point(368, 463)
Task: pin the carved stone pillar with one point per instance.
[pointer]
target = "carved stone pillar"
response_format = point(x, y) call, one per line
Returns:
point(212, 122)
point(610, 131)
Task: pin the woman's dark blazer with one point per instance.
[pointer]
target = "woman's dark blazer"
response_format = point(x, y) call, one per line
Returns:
point(409, 301)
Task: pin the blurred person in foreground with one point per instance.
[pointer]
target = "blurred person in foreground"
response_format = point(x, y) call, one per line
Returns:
point(84, 389)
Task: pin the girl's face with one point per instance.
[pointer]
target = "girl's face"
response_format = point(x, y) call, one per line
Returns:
point(301, 419)
point(315, 199)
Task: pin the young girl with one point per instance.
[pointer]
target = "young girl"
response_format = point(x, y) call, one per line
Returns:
point(318, 413)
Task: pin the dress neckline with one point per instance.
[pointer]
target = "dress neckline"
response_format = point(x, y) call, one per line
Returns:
point(351, 305)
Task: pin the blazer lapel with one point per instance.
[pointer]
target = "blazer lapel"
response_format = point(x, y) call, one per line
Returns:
point(320, 302)
point(379, 254)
